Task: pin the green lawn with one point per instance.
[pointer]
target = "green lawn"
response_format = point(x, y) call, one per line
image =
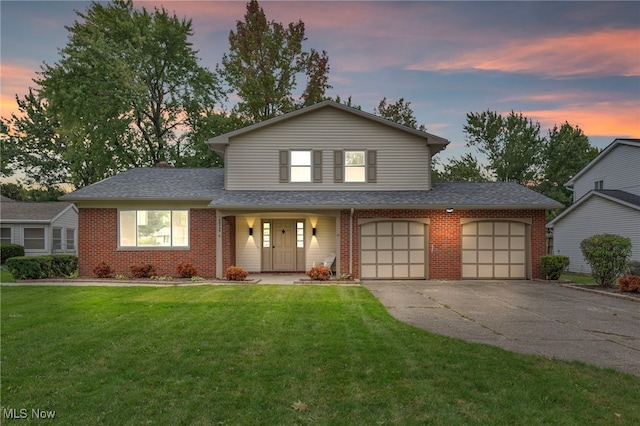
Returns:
point(5, 276)
point(578, 278)
point(274, 355)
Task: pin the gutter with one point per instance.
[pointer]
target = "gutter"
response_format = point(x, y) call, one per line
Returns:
point(351, 243)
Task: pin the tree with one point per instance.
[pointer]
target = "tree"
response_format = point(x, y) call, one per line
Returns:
point(608, 255)
point(399, 112)
point(126, 92)
point(512, 144)
point(567, 151)
point(463, 169)
point(263, 63)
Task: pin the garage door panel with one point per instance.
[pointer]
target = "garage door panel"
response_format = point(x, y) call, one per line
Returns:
point(494, 249)
point(393, 250)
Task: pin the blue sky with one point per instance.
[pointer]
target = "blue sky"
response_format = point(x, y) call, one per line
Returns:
point(553, 61)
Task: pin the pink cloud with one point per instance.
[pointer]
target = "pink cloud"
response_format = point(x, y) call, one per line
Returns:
point(16, 79)
point(610, 52)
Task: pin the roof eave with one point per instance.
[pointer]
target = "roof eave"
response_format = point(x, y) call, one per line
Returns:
point(297, 207)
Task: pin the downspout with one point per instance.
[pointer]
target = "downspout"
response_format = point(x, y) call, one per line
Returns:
point(351, 243)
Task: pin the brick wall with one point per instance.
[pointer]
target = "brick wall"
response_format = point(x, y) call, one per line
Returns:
point(98, 241)
point(444, 237)
point(228, 243)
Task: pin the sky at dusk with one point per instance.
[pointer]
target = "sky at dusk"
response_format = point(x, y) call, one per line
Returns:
point(553, 61)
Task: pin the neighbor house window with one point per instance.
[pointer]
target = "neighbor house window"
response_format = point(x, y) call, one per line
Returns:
point(154, 228)
point(57, 239)
point(5, 235)
point(354, 166)
point(598, 184)
point(300, 166)
point(33, 238)
point(71, 239)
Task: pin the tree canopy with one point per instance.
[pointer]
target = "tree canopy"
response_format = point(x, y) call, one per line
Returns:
point(126, 92)
point(399, 112)
point(264, 61)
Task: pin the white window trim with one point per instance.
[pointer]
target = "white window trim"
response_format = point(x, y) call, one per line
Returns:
point(46, 239)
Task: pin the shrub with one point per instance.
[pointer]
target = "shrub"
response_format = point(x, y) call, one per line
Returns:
point(103, 270)
point(634, 267)
point(142, 270)
point(187, 270)
point(236, 273)
point(63, 265)
point(630, 283)
point(608, 256)
point(24, 267)
point(319, 273)
point(8, 251)
point(553, 265)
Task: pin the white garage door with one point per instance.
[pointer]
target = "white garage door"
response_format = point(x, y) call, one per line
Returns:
point(494, 250)
point(393, 250)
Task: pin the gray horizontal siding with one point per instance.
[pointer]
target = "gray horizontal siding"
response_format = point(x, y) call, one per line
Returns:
point(595, 216)
point(252, 159)
point(618, 170)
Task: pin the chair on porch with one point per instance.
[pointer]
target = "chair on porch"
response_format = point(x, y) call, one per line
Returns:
point(328, 262)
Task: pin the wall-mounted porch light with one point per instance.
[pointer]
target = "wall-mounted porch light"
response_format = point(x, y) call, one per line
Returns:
point(449, 210)
point(313, 231)
point(251, 231)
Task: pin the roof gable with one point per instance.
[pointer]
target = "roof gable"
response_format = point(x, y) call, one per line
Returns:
point(601, 155)
point(616, 196)
point(219, 143)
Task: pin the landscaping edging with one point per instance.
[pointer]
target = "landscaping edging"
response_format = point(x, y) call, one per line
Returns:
point(602, 292)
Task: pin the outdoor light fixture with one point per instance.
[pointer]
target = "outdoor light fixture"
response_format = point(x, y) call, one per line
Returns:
point(251, 231)
point(313, 232)
point(449, 210)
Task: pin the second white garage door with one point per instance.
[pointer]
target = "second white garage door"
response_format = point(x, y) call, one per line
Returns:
point(494, 250)
point(393, 250)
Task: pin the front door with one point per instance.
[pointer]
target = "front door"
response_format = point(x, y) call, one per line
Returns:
point(283, 244)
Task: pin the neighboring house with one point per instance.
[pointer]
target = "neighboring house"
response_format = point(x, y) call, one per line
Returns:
point(42, 228)
point(606, 199)
point(323, 179)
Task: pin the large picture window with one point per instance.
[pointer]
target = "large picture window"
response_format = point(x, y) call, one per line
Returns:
point(33, 238)
point(154, 228)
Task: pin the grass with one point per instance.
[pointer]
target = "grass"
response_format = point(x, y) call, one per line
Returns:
point(578, 278)
point(5, 275)
point(275, 355)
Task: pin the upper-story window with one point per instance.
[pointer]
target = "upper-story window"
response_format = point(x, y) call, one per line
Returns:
point(354, 166)
point(599, 184)
point(300, 166)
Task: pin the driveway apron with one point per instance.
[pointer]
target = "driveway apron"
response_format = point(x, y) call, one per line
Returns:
point(522, 316)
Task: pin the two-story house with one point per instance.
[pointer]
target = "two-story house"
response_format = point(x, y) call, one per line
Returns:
point(606, 200)
point(323, 179)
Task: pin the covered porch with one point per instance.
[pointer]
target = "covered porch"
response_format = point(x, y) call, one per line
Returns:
point(276, 242)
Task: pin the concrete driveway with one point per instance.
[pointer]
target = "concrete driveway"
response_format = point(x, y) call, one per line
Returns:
point(522, 316)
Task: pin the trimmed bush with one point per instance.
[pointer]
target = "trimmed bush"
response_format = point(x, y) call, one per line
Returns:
point(103, 270)
point(8, 251)
point(63, 265)
point(236, 273)
point(630, 283)
point(553, 265)
point(24, 267)
point(319, 273)
point(608, 255)
point(187, 270)
point(142, 270)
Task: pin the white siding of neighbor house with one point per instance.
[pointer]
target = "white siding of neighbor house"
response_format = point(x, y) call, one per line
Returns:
point(595, 216)
point(252, 159)
point(68, 220)
point(618, 170)
point(248, 248)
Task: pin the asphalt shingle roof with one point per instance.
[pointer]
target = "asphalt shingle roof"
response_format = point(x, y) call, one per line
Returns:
point(621, 195)
point(31, 212)
point(208, 184)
